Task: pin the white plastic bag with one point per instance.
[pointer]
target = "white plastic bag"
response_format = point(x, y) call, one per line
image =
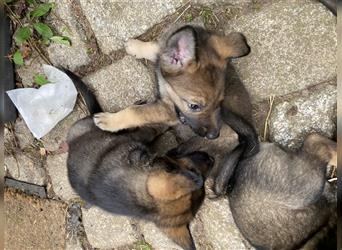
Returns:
point(43, 108)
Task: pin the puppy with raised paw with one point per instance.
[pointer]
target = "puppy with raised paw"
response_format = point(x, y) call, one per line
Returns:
point(196, 84)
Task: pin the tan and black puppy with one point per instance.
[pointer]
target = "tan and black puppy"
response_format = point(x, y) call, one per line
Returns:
point(118, 173)
point(282, 200)
point(195, 83)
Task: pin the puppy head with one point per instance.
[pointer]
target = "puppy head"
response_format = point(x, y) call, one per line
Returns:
point(178, 176)
point(193, 63)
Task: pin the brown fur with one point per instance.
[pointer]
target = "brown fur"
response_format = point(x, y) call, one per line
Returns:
point(195, 83)
point(180, 234)
point(119, 173)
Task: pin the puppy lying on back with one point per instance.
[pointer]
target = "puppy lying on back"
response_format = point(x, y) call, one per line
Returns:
point(118, 173)
point(280, 200)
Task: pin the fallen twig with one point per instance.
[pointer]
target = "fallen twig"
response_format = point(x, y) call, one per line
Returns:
point(183, 12)
point(270, 101)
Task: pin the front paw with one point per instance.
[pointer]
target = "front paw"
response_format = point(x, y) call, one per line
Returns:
point(140, 49)
point(134, 48)
point(106, 121)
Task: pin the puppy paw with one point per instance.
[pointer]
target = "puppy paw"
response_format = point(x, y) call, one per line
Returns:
point(133, 47)
point(107, 122)
point(140, 49)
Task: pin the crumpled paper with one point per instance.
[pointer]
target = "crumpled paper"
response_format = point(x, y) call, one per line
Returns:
point(43, 108)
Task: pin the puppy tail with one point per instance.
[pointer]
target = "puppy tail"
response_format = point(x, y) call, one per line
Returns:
point(181, 236)
point(226, 171)
point(86, 93)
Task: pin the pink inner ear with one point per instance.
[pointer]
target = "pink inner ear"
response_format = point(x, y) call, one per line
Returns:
point(181, 53)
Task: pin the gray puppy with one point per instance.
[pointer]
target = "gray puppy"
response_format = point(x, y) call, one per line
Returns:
point(118, 173)
point(280, 200)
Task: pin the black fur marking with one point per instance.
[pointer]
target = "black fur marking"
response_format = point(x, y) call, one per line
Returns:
point(246, 132)
point(223, 179)
point(89, 98)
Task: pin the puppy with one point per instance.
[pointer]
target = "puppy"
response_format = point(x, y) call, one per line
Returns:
point(280, 200)
point(119, 173)
point(195, 83)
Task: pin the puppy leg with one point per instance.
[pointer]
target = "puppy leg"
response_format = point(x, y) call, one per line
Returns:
point(322, 148)
point(180, 235)
point(221, 180)
point(140, 49)
point(245, 131)
point(136, 116)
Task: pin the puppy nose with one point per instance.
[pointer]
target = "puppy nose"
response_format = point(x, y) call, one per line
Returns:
point(213, 134)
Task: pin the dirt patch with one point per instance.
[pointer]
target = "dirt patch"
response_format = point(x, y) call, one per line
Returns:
point(33, 223)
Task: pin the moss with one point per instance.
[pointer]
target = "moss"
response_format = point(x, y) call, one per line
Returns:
point(142, 245)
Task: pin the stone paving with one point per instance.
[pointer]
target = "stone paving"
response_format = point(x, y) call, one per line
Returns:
point(293, 58)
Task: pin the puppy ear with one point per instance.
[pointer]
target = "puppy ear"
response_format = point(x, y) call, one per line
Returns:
point(179, 51)
point(231, 46)
point(180, 235)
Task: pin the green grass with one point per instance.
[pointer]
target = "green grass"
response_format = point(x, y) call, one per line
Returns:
point(207, 15)
point(142, 245)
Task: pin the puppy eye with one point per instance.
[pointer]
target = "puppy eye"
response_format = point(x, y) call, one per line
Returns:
point(194, 107)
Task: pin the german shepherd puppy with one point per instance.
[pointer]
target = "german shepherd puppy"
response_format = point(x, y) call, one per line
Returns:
point(280, 200)
point(118, 173)
point(194, 82)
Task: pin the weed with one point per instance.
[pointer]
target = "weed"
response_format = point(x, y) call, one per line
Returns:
point(208, 16)
point(142, 245)
point(31, 32)
point(188, 17)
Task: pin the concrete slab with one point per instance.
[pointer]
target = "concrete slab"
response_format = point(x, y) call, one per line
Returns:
point(33, 223)
point(66, 23)
point(25, 167)
point(105, 230)
point(313, 111)
point(113, 22)
point(58, 172)
point(293, 46)
point(121, 84)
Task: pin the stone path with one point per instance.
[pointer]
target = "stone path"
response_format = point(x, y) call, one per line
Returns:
point(293, 58)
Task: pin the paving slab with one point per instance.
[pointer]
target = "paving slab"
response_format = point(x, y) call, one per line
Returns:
point(25, 167)
point(313, 111)
point(214, 227)
point(113, 22)
point(57, 169)
point(63, 20)
point(22, 133)
point(293, 46)
point(108, 231)
point(122, 84)
point(155, 237)
point(33, 223)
